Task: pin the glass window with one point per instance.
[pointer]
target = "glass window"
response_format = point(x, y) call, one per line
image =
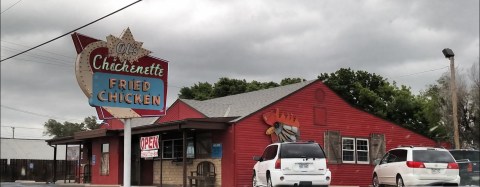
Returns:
point(432, 156)
point(355, 150)
point(173, 149)
point(362, 151)
point(471, 155)
point(105, 160)
point(301, 150)
point(348, 150)
point(272, 152)
point(167, 147)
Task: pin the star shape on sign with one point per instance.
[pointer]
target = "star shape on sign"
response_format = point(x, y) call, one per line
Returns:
point(126, 48)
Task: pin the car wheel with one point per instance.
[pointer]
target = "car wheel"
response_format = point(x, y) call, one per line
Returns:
point(375, 181)
point(400, 182)
point(269, 181)
point(254, 180)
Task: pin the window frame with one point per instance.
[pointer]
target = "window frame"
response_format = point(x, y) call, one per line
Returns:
point(350, 150)
point(367, 151)
point(355, 151)
point(176, 151)
point(105, 155)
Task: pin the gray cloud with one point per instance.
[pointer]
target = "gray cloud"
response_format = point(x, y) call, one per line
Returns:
point(252, 40)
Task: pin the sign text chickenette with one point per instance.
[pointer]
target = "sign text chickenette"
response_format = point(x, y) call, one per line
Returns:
point(120, 78)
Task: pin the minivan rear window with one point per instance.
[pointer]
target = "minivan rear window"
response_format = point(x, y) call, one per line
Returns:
point(432, 156)
point(473, 156)
point(295, 150)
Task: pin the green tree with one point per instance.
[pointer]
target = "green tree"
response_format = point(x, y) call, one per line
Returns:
point(468, 109)
point(200, 91)
point(374, 94)
point(226, 86)
point(57, 129)
point(287, 81)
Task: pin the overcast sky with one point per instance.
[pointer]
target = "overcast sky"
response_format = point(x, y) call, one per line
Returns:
point(204, 40)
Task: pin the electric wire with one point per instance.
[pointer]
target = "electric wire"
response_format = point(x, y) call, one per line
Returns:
point(53, 53)
point(421, 72)
point(70, 31)
point(10, 6)
point(36, 114)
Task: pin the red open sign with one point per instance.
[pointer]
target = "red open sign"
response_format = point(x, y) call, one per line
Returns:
point(149, 143)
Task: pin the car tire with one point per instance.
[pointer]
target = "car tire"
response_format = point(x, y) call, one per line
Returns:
point(376, 182)
point(400, 181)
point(269, 181)
point(254, 180)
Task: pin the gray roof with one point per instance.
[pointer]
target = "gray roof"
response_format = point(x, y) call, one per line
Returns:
point(244, 104)
point(29, 149)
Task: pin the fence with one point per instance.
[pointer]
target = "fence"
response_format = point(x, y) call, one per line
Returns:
point(36, 170)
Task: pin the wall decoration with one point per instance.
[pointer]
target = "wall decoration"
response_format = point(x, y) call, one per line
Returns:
point(284, 127)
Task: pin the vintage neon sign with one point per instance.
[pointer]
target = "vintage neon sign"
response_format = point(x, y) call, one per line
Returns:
point(120, 78)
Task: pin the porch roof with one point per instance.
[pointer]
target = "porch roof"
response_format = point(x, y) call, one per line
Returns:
point(219, 123)
point(79, 137)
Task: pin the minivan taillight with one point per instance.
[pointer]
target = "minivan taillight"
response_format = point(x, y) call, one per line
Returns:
point(470, 167)
point(278, 164)
point(452, 165)
point(413, 164)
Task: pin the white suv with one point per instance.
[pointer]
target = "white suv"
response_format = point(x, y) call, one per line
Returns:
point(409, 166)
point(291, 164)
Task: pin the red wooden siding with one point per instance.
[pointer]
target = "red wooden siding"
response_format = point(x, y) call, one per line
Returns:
point(178, 111)
point(250, 138)
point(115, 175)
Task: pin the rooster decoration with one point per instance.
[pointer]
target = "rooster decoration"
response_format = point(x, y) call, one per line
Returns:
point(284, 127)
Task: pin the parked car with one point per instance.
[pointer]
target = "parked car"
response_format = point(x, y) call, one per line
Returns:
point(291, 164)
point(411, 166)
point(468, 162)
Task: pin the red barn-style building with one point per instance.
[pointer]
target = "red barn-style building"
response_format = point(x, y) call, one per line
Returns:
point(227, 132)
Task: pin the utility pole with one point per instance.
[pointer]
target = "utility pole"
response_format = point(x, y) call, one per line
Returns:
point(450, 55)
point(13, 132)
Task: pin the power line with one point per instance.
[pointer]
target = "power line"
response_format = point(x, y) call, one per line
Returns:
point(11, 6)
point(35, 114)
point(420, 72)
point(20, 127)
point(58, 54)
point(71, 31)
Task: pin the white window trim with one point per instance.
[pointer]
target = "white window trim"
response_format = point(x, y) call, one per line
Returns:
point(368, 151)
point(354, 153)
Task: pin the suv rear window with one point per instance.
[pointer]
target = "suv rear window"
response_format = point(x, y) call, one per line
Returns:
point(295, 150)
point(432, 156)
point(470, 155)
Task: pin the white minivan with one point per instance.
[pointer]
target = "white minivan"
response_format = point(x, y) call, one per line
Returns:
point(412, 166)
point(291, 164)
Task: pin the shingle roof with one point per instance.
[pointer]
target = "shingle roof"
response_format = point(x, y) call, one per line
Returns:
point(242, 105)
point(29, 149)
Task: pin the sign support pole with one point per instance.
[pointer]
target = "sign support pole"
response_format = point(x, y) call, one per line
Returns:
point(127, 148)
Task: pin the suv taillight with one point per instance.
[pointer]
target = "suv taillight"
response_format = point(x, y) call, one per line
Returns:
point(413, 164)
point(470, 167)
point(278, 164)
point(452, 165)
